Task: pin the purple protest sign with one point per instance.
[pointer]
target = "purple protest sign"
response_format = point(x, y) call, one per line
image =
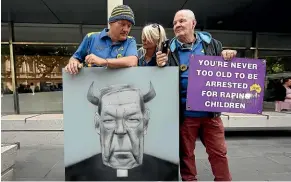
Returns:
point(234, 86)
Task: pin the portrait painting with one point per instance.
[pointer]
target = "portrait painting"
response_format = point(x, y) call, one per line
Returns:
point(121, 124)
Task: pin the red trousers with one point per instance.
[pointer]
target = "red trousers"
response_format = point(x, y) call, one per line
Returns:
point(214, 140)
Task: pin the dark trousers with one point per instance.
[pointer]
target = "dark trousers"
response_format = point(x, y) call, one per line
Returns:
point(214, 141)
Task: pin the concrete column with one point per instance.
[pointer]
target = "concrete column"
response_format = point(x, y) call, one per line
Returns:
point(13, 68)
point(110, 5)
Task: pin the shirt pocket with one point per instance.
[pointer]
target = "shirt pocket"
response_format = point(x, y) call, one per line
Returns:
point(100, 51)
point(117, 52)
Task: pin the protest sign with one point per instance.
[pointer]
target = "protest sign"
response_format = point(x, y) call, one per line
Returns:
point(115, 126)
point(217, 85)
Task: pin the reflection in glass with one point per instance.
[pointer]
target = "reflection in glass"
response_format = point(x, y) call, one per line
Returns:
point(6, 80)
point(39, 68)
point(278, 67)
point(39, 77)
point(7, 99)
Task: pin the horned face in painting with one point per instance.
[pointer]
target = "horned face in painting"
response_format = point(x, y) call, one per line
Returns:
point(121, 121)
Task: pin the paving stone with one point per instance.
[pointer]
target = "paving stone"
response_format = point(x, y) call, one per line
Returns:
point(249, 160)
point(57, 171)
point(33, 171)
point(276, 176)
point(246, 177)
point(238, 153)
point(204, 177)
point(252, 165)
point(261, 151)
point(281, 159)
point(30, 179)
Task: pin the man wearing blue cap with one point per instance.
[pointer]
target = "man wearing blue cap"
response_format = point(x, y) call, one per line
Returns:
point(111, 48)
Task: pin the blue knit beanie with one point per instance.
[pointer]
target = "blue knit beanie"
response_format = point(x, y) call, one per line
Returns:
point(122, 12)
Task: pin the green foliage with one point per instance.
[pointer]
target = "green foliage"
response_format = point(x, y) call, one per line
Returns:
point(275, 65)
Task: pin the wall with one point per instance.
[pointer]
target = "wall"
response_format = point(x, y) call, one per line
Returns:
point(269, 44)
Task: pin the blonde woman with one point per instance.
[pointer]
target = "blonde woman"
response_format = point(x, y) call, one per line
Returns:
point(152, 37)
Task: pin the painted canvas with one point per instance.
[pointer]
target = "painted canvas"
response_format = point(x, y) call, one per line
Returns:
point(121, 124)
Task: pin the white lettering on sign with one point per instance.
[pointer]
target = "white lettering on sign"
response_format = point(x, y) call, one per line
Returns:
point(232, 95)
point(204, 73)
point(212, 63)
point(223, 74)
point(209, 93)
point(250, 66)
point(230, 105)
point(239, 75)
point(226, 84)
point(252, 76)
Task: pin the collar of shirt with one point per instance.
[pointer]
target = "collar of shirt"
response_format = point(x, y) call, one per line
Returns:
point(104, 33)
point(104, 36)
point(152, 62)
point(184, 46)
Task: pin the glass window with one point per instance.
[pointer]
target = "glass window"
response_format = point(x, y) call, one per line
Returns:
point(7, 100)
point(39, 77)
point(278, 67)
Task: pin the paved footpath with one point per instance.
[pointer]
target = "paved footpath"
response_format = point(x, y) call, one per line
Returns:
point(251, 158)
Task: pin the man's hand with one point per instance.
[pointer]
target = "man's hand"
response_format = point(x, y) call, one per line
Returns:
point(73, 66)
point(162, 58)
point(228, 54)
point(93, 59)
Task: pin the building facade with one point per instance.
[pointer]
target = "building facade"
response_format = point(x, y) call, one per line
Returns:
point(38, 52)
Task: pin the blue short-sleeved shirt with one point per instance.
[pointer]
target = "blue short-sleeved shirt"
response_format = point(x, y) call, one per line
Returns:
point(101, 45)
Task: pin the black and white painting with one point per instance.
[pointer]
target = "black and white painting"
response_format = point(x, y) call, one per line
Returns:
point(121, 125)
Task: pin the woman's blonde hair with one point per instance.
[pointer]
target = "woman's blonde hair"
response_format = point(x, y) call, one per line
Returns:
point(154, 33)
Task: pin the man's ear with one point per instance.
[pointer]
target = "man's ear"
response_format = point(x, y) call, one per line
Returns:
point(97, 120)
point(194, 24)
point(110, 25)
point(146, 120)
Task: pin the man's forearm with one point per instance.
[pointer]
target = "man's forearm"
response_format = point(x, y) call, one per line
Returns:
point(122, 62)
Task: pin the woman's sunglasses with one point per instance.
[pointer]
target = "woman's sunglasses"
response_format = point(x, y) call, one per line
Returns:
point(155, 25)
